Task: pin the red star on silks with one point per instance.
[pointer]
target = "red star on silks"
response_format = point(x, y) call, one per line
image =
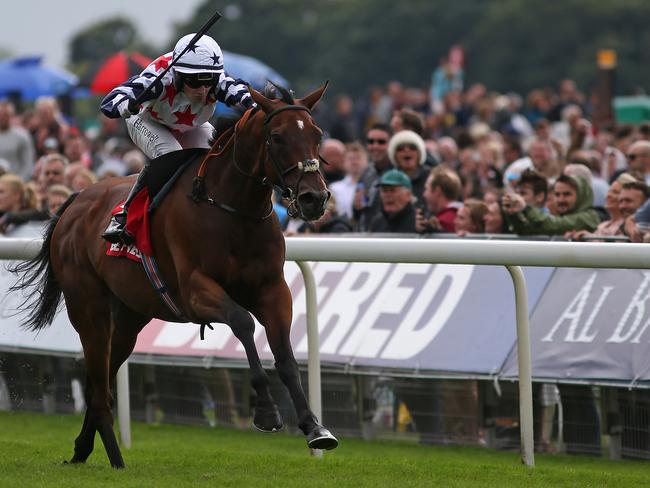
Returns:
point(154, 114)
point(186, 117)
point(162, 62)
point(170, 94)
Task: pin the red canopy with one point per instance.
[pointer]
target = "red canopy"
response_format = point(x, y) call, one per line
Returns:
point(115, 70)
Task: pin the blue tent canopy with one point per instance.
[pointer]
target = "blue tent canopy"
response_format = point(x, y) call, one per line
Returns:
point(28, 78)
point(251, 70)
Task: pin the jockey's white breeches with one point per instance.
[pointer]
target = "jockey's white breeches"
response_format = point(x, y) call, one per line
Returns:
point(155, 139)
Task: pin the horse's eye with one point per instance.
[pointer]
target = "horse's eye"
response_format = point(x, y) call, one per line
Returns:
point(276, 139)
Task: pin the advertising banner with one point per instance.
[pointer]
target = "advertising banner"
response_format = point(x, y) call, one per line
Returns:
point(591, 324)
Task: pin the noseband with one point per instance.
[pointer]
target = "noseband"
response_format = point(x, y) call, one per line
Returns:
point(305, 166)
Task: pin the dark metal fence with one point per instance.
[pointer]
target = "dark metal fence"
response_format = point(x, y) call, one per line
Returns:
point(578, 419)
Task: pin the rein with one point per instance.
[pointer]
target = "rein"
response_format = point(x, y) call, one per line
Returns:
point(199, 194)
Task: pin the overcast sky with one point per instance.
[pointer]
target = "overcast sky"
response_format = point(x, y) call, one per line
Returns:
point(29, 27)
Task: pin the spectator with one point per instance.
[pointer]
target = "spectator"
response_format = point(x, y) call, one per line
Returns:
point(48, 123)
point(447, 77)
point(533, 188)
point(12, 193)
point(333, 152)
point(569, 95)
point(638, 156)
point(75, 148)
point(407, 119)
point(52, 171)
point(591, 160)
point(407, 152)
point(366, 202)
point(637, 227)
point(448, 152)
point(343, 125)
point(583, 172)
point(355, 164)
point(614, 225)
point(14, 198)
point(633, 195)
point(82, 180)
point(441, 193)
point(16, 146)
point(134, 160)
point(495, 219)
point(397, 211)
point(573, 201)
point(540, 158)
point(56, 196)
point(377, 139)
point(470, 218)
point(511, 151)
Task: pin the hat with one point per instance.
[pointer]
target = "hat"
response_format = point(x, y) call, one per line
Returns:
point(395, 177)
point(406, 137)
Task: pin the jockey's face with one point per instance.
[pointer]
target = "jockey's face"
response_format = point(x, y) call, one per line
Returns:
point(197, 85)
point(195, 95)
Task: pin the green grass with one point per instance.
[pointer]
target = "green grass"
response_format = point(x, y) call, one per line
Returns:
point(33, 446)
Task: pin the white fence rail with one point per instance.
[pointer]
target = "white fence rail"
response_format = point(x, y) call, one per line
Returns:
point(507, 253)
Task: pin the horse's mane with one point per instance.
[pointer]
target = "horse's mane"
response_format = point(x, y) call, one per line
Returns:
point(271, 90)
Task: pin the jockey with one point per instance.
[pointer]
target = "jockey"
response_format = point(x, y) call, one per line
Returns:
point(175, 113)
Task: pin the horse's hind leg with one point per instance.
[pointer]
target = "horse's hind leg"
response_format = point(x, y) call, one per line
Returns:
point(212, 304)
point(274, 312)
point(85, 441)
point(91, 317)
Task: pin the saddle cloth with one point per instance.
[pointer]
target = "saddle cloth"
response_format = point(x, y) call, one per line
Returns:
point(137, 224)
point(163, 173)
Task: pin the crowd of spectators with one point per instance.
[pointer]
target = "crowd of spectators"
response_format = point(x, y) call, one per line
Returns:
point(467, 162)
point(476, 162)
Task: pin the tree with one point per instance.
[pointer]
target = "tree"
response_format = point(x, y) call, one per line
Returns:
point(510, 44)
point(105, 38)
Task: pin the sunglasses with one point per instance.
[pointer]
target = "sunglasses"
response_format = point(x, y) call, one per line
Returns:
point(376, 141)
point(199, 80)
point(632, 157)
point(412, 147)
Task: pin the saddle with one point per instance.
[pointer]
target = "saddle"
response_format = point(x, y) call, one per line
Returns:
point(162, 174)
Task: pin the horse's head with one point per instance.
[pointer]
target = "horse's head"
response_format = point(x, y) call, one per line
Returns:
point(292, 144)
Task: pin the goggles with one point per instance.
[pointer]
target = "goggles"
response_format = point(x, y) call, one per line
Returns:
point(197, 80)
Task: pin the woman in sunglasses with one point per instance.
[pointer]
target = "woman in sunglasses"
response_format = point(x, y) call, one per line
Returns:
point(175, 114)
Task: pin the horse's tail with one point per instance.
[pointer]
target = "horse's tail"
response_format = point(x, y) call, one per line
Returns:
point(37, 274)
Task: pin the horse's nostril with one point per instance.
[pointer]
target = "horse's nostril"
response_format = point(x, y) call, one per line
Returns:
point(310, 198)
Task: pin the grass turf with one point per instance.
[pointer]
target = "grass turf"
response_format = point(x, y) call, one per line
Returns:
point(33, 446)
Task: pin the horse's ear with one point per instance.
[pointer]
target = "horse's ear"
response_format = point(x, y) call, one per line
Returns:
point(263, 102)
point(312, 99)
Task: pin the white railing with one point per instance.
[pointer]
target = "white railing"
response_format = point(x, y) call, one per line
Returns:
point(511, 254)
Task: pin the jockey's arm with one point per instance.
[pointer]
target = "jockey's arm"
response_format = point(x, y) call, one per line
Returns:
point(233, 93)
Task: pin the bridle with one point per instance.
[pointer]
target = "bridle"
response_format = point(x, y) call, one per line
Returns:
point(305, 166)
point(291, 194)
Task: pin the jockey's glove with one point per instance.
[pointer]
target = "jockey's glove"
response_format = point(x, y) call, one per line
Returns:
point(126, 108)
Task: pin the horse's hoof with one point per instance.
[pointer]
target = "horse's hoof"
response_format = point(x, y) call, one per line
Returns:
point(74, 461)
point(268, 421)
point(321, 438)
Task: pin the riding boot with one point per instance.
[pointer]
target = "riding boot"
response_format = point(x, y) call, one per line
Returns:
point(116, 231)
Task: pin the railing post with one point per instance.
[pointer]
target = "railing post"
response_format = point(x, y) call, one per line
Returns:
point(313, 345)
point(124, 405)
point(523, 356)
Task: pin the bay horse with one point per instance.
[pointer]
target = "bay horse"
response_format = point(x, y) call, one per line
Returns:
point(220, 252)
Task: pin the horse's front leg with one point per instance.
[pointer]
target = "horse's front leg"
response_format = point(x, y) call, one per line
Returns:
point(274, 313)
point(210, 303)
